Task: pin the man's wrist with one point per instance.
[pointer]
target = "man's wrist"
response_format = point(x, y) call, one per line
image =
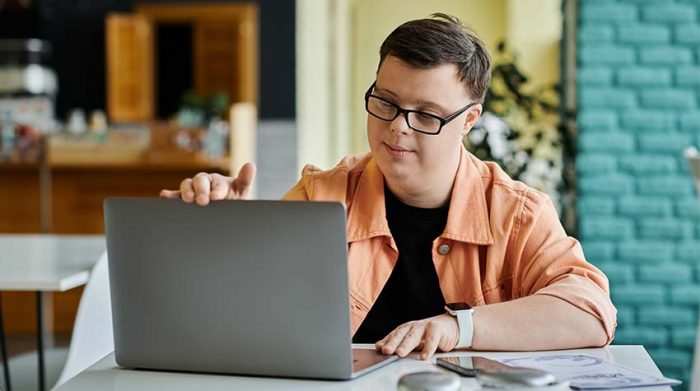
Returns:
point(465, 324)
point(465, 321)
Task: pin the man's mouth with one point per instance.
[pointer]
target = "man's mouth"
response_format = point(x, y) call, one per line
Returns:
point(397, 150)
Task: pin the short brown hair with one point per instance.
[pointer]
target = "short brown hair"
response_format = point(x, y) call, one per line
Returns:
point(425, 43)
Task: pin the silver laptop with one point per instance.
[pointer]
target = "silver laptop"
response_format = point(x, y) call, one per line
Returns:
point(240, 287)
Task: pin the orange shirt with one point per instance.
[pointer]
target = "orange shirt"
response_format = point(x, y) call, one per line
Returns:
point(502, 241)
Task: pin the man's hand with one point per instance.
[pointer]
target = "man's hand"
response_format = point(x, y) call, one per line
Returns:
point(439, 332)
point(204, 187)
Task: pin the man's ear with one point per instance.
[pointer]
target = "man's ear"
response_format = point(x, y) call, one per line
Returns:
point(471, 119)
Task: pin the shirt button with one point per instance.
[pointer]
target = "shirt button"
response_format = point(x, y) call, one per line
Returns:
point(443, 249)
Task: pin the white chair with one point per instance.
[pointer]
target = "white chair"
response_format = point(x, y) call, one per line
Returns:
point(92, 334)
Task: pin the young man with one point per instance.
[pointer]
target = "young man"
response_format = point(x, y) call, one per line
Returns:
point(429, 224)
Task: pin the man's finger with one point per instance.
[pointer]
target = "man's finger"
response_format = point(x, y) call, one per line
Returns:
point(220, 186)
point(170, 194)
point(397, 337)
point(411, 340)
point(431, 341)
point(245, 176)
point(380, 344)
point(202, 187)
point(186, 190)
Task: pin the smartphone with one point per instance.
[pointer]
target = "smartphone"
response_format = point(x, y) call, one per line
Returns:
point(492, 373)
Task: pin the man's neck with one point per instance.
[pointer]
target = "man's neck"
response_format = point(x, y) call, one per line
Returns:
point(429, 195)
point(423, 200)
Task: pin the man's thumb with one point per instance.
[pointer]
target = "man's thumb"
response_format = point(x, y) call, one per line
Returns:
point(246, 175)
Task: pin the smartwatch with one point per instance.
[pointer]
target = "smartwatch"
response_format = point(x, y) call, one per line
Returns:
point(464, 314)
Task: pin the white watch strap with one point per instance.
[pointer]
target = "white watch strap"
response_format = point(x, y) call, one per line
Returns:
point(465, 320)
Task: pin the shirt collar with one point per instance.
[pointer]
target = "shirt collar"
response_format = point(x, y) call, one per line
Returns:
point(467, 219)
point(367, 215)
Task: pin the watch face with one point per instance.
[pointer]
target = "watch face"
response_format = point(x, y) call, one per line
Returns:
point(458, 306)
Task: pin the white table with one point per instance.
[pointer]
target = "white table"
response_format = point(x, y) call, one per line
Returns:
point(44, 263)
point(105, 375)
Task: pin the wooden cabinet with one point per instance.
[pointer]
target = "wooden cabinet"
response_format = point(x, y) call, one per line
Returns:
point(82, 176)
point(225, 55)
point(76, 180)
point(20, 198)
point(129, 60)
point(78, 193)
point(64, 193)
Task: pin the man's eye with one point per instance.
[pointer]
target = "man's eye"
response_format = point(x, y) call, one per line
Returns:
point(384, 104)
point(425, 117)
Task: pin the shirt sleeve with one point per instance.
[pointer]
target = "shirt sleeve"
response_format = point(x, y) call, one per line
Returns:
point(304, 187)
point(297, 193)
point(552, 263)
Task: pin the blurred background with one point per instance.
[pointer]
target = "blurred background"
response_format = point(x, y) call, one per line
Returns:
point(592, 101)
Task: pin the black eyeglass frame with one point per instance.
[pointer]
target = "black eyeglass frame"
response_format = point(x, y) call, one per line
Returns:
point(400, 110)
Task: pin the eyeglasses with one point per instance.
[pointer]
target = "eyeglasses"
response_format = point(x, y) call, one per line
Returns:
point(419, 121)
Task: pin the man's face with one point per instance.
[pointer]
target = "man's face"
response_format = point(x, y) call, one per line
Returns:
point(412, 160)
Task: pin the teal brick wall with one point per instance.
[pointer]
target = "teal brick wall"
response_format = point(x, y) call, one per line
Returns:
point(639, 107)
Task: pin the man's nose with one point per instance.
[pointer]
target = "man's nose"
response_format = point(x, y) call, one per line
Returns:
point(400, 124)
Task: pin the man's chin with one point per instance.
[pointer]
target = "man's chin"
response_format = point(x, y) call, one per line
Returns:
point(396, 171)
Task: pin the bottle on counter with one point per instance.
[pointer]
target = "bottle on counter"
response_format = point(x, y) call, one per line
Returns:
point(77, 124)
point(7, 135)
point(98, 124)
point(216, 138)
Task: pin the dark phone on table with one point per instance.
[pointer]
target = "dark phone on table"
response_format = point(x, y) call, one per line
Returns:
point(490, 372)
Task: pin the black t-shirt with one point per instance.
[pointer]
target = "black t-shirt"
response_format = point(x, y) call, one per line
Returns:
point(412, 291)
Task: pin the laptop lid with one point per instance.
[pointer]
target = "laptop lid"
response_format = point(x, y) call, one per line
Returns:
point(243, 287)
